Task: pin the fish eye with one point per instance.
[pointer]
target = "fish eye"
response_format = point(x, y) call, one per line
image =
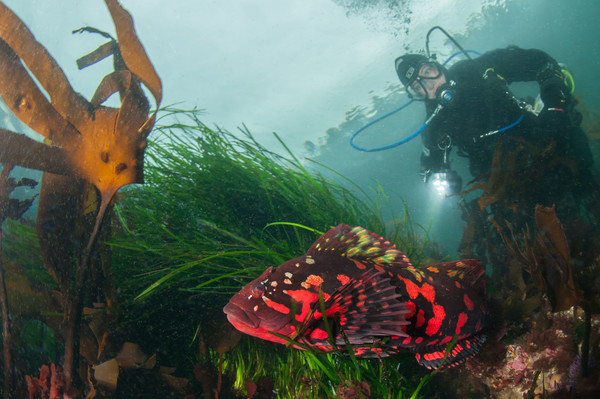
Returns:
point(258, 291)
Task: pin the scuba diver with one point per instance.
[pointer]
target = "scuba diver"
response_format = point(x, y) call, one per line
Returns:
point(470, 108)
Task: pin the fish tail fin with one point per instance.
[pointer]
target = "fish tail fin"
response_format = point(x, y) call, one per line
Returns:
point(432, 356)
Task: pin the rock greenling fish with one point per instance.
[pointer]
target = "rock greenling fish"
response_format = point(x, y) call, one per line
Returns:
point(373, 298)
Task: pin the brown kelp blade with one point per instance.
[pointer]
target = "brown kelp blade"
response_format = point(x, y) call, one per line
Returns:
point(20, 150)
point(558, 271)
point(550, 225)
point(135, 57)
point(22, 95)
point(19, 38)
point(547, 258)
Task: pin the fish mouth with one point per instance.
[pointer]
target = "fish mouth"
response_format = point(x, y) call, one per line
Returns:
point(238, 316)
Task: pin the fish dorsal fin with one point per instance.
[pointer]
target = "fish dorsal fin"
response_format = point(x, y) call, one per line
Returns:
point(369, 307)
point(431, 356)
point(467, 271)
point(358, 244)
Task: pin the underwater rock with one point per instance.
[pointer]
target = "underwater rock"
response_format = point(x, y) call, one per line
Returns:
point(107, 374)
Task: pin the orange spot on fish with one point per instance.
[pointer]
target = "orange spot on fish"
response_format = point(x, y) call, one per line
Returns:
point(433, 356)
point(434, 324)
point(414, 290)
point(413, 309)
point(420, 318)
point(411, 288)
point(428, 292)
point(462, 319)
point(446, 340)
point(318, 334)
point(314, 280)
point(306, 299)
point(457, 349)
point(342, 278)
point(359, 265)
point(468, 302)
point(276, 306)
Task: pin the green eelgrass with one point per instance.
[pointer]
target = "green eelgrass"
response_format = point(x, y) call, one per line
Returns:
point(20, 245)
point(215, 211)
point(313, 374)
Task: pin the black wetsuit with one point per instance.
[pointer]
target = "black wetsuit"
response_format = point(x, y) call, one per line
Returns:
point(482, 104)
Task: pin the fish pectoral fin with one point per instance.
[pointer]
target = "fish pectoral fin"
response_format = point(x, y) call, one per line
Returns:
point(432, 356)
point(369, 307)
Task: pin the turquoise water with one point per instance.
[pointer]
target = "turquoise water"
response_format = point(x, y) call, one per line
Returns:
point(218, 208)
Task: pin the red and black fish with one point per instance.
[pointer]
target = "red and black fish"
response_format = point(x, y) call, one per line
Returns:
point(374, 299)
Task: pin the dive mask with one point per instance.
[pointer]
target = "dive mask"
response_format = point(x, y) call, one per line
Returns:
point(423, 81)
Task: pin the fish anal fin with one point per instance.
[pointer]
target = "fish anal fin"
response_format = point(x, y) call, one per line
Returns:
point(432, 356)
